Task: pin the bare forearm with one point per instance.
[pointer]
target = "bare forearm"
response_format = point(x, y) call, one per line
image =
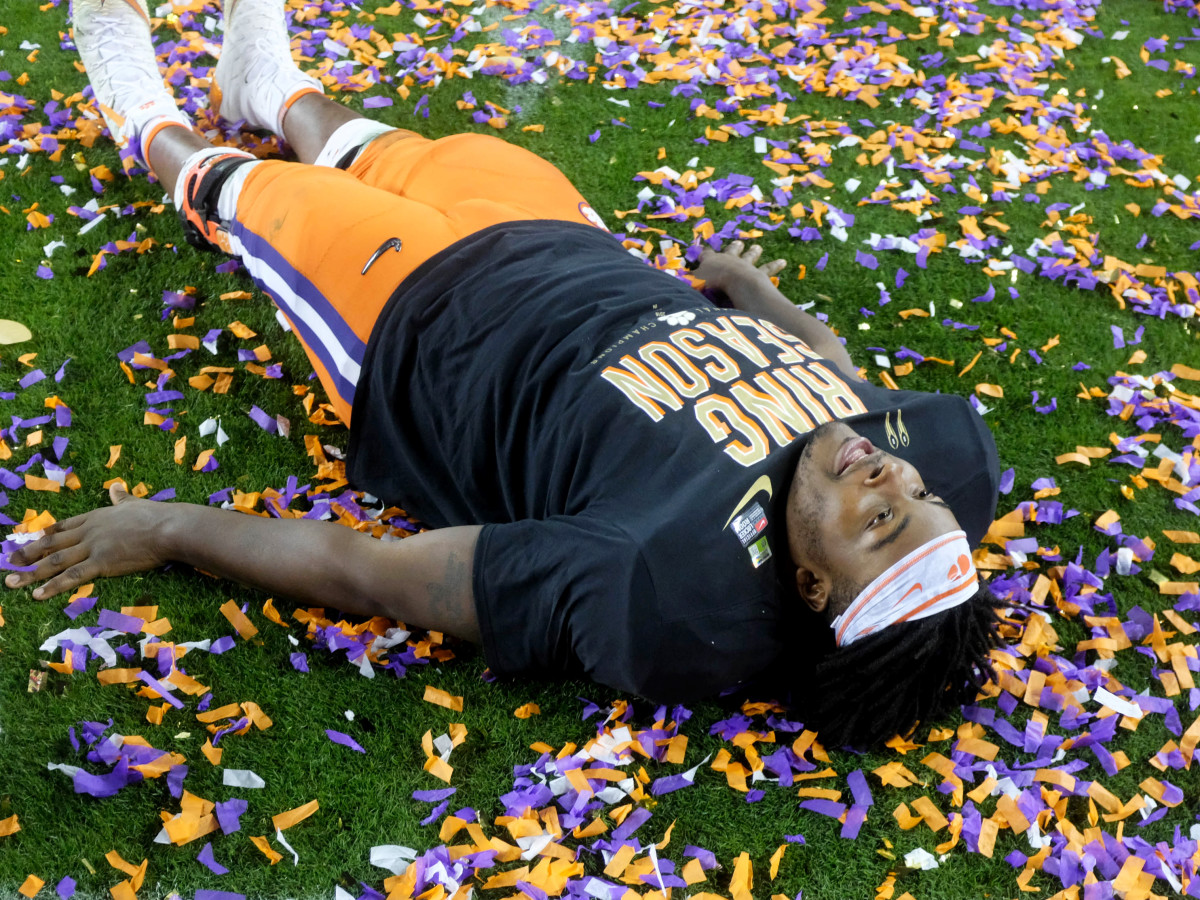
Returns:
point(756, 295)
point(424, 580)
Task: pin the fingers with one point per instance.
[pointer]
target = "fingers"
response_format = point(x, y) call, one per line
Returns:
point(774, 267)
point(33, 553)
point(62, 566)
point(751, 256)
point(117, 493)
point(80, 572)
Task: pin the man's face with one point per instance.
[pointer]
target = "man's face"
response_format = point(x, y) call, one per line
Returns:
point(853, 511)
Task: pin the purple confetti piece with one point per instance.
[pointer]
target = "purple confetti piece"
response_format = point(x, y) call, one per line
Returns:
point(866, 260)
point(987, 296)
point(76, 608)
point(206, 858)
point(436, 813)
point(1007, 479)
point(632, 823)
point(229, 812)
point(32, 378)
point(156, 685)
point(344, 739)
point(434, 796)
point(266, 422)
point(121, 622)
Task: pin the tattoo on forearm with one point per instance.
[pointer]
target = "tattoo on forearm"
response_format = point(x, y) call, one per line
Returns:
point(446, 597)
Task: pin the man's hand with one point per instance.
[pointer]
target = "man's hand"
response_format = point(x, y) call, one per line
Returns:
point(733, 267)
point(114, 540)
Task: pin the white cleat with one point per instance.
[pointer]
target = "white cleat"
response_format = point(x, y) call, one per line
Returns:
point(113, 39)
point(256, 78)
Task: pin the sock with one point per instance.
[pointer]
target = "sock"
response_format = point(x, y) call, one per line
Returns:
point(348, 138)
point(152, 127)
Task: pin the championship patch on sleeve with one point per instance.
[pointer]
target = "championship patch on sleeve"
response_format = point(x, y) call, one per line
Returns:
point(749, 528)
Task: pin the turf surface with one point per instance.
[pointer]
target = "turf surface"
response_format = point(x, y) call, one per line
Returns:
point(366, 800)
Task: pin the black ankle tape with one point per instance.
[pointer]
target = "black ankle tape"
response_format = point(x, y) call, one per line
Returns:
point(204, 202)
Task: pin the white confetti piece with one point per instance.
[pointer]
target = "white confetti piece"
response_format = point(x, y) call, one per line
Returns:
point(1113, 702)
point(242, 778)
point(392, 857)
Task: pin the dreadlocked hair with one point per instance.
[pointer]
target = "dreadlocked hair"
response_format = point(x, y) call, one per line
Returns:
point(886, 683)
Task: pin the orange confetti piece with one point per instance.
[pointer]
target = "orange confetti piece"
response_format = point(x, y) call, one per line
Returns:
point(904, 817)
point(742, 881)
point(527, 710)
point(1179, 370)
point(931, 814)
point(272, 614)
point(211, 753)
point(267, 850)
point(971, 364)
point(118, 676)
point(693, 872)
point(202, 460)
point(438, 697)
point(1183, 537)
point(990, 390)
point(1065, 458)
point(31, 886)
point(35, 483)
point(183, 342)
point(114, 453)
point(240, 330)
point(228, 711)
point(776, 859)
point(9, 826)
point(286, 820)
point(236, 295)
point(253, 712)
point(244, 627)
point(1185, 564)
point(436, 767)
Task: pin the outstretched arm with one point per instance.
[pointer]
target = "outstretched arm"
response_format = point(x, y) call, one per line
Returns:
point(424, 580)
point(734, 271)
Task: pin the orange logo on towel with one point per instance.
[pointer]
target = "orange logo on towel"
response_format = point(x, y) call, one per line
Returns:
point(959, 569)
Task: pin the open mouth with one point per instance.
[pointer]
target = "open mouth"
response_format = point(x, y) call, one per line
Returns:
point(851, 452)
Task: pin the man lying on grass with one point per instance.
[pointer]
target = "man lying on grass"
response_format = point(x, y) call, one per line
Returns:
point(617, 469)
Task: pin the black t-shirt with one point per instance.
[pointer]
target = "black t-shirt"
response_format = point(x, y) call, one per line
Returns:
point(628, 448)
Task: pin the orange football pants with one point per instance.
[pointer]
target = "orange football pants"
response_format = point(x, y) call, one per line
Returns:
point(330, 246)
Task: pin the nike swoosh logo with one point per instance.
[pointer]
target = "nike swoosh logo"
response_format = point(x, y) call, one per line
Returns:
point(762, 484)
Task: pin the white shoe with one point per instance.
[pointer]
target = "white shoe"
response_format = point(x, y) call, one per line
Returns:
point(256, 78)
point(113, 39)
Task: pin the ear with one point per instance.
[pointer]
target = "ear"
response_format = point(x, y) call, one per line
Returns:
point(813, 589)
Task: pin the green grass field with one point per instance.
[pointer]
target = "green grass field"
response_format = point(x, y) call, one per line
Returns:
point(862, 104)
